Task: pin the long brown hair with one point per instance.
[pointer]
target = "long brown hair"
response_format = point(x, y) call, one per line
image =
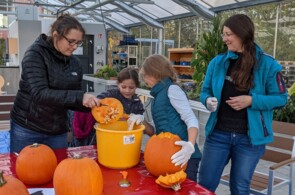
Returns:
point(242, 74)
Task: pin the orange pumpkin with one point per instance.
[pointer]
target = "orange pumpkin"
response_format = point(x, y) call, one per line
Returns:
point(12, 186)
point(78, 175)
point(109, 111)
point(172, 180)
point(158, 152)
point(35, 164)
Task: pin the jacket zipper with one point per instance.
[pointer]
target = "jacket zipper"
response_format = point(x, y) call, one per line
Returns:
point(265, 132)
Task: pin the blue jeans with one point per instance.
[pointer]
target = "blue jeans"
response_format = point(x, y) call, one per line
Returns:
point(219, 148)
point(21, 137)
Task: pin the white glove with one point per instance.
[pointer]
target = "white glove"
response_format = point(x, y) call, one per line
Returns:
point(211, 104)
point(182, 156)
point(134, 119)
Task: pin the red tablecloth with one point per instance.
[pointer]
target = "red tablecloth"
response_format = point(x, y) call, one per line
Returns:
point(142, 183)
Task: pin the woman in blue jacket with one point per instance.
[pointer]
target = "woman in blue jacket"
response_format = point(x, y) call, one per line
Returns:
point(241, 89)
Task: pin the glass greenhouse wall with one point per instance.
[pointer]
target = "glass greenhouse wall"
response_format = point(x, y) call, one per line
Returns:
point(274, 23)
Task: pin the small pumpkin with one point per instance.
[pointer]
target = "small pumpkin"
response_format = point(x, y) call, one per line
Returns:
point(11, 185)
point(158, 152)
point(35, 164)
point(78, 175)
point(172, 180)
point(110, 110)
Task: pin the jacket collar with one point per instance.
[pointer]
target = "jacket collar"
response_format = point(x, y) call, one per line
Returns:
point(160, 85)
point(234, 55)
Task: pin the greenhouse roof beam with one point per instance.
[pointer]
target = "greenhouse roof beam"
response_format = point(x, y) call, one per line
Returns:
point(135, 13)
point(72, 5)
point(196, 8)
point(242, 4)
point(110, 23)
point(92, 7)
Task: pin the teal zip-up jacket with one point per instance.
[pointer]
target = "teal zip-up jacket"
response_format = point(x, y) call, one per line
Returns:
point(269, 92)
point(165, 117)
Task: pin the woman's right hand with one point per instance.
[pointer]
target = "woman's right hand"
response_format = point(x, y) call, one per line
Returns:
point(90, 100)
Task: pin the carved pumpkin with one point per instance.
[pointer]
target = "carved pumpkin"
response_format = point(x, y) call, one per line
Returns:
point(158, 152)
point(109, 111)
point(78, 175)
point(172, 180)
point(35, 164)
point(12, 186)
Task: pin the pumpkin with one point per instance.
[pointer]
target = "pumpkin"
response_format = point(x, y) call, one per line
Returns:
point(35, 164)
point(78, 175)
point(12, 186)
point(158, 152)
point(109, 111)
point(172, 180)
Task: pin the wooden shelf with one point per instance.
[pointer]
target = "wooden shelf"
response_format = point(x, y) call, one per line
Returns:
point(184, 69)
point(181, 50)
point(178, 55)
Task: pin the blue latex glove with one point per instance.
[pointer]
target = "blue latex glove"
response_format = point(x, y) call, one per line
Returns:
point(182, 156)
point(134, 119)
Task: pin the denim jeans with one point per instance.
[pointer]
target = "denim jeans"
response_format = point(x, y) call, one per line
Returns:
point(219, 148)
point(21, 137)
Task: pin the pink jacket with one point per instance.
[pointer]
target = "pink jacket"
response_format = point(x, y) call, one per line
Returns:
point(83, 123)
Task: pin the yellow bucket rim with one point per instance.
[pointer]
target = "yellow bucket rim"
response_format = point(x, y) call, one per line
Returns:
point(141, 128)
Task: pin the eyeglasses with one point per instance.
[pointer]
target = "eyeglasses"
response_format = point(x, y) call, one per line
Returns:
point(72, 43)
point(223, 35)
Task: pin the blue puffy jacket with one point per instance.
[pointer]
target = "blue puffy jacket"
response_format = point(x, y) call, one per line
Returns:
point(268, 93)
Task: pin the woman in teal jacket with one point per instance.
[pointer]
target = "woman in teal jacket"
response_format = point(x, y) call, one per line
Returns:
point(241, 89)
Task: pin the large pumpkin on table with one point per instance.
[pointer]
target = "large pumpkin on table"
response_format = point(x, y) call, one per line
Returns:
point(78, 175)
point(109, 111)
point(10, 185)
point(35, 164)
point(158, 152)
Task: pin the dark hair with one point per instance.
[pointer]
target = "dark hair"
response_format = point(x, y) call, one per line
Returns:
point(242, 26)
point(64, 24)
point(159, 67)
point(128, 73)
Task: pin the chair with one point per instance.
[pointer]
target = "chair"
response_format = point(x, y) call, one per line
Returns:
point(279, 153)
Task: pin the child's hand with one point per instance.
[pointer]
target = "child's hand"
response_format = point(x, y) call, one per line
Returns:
point(134, 118)
point(182, 156)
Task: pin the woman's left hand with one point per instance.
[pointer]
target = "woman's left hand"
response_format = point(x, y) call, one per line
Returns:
point(239, 102)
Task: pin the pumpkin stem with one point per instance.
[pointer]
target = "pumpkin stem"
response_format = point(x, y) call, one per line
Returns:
point(77, 156)
point(34, 145)
point(2, 181)
point(176, 187)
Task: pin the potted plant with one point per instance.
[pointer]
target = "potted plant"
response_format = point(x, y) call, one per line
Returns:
point(287, 113)
point(107, 72)
point(284, 119)
point(209, 45)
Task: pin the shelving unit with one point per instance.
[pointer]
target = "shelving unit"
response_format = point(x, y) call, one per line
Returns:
point(126, 56)
point(132, 51)
point(180, 58)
